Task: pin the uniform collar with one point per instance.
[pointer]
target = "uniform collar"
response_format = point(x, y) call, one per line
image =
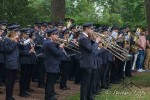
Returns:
point(85, 34)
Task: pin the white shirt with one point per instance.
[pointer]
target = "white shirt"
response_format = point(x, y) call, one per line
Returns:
point(85, 34)
point(114, 34)
point(127, 37)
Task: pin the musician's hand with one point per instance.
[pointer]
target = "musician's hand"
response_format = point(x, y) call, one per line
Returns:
point(16, 38)
point(62, 45)
point(74, 41)
point(98, 39)
point(13, 39)
point(100, 45)
point(32, 50)
point(0, 38)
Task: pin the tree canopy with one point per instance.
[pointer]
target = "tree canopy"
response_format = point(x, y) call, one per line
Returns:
point(103, 12)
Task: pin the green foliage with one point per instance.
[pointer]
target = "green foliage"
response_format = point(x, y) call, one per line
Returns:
point(103, 12)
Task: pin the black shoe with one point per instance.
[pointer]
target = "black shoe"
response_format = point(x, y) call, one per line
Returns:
point(90, 98)
point(41, 86)
point(71, 79)
point(34, 80)
point(53, 98)
point(64, 88)
point(57, 81)
point(97, 93)
point(1, 92)
point(77, 83)
point(2, 84)
point(109, 85)
point(114, 82)
point(10, 98)
point(55, 93)
point(30, 90)
point(24, 94)
point(105, 87)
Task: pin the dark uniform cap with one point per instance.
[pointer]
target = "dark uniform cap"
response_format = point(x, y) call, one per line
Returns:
point(88, 25)
point(31, 33)
point(25, 30)
point(94, 27)
point(44, 24)
point(15, 23)
point(13, 27)
point(3, 22)
point(115, 28)
point(50, 23)
point(52, 31)
point(37, 24)
point(31, 30)
point(72, 26)
point(60, 24)
point(65, 31)
point(105, 28)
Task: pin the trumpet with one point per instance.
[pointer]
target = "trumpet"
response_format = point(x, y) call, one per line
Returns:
point(113, 47)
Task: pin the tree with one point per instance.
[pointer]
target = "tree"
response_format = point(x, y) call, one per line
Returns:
point(57, 10)
point(147, 4)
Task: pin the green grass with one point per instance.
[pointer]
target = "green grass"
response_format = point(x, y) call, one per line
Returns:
point(117, 93)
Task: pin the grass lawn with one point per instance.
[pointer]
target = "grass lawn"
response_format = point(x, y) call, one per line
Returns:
point(118, 93)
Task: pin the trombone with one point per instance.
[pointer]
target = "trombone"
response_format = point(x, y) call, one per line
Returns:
point(68, 45)
point(113, 47)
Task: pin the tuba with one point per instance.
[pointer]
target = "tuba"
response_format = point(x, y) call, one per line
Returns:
point(69, 22)
point(134, 47)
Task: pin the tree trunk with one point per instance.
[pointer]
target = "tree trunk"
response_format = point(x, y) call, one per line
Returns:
point(57, 10)
point(147, 4)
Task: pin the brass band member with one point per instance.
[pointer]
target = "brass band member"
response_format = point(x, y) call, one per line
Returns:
point(86, 61)
point(12, 60)
point(52, 61)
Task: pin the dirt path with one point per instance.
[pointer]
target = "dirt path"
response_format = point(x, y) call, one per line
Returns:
point(39, 93)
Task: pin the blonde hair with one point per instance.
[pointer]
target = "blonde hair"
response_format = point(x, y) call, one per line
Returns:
point(11, 34)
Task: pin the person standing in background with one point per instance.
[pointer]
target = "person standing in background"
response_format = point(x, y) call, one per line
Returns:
point(141, 55)
point(147, 59)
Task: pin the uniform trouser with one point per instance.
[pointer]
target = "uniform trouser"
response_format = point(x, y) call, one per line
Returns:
point(147, 59)
point(2, 73)
point(113, 75)
point(98, 78)
point(72, 70)
point(35, 72)
point(109, 64)
point(25, 78)
point(29, 75)
point(10, 81)
point(104, 74)
point(120, 70)
point(65, 68)
point(85, 83)
point(77, 71)
point(120, 67)
point(128, 68)
point(50, 82)
point(92, 85)
point(41, 72)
